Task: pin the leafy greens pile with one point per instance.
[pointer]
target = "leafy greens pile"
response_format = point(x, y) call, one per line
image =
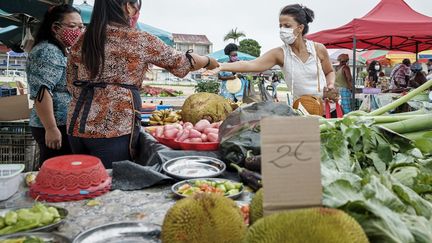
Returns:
point(383, 180)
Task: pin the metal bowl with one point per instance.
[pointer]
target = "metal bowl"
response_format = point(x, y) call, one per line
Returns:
point(45, 236)
point(124, 232)
point(47, 228)
point(192, 167)
point(176, 186)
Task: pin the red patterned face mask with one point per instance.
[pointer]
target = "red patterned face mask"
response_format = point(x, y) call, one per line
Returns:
point(69, 36)
point(134, 19)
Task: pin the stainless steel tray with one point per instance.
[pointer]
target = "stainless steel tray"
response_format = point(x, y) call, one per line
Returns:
point(191, 167)
point(121, 232)
point(176, 186)
point(47, 237)
point(47, 228)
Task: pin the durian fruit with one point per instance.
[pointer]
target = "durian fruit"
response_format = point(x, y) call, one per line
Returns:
point(322, 225)
point(256, 207)
point(204, 218)
point(208, 106)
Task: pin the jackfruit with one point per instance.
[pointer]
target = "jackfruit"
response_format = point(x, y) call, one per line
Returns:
point(312, 225)
point(204, 218)
point(205, 106)
point(256, 207)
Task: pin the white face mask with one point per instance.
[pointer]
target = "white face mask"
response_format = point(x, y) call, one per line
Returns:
point(287, 35)
point(377, 67)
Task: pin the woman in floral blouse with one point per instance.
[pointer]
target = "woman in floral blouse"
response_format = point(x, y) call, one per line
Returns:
point(46, 76)
point(105, 73)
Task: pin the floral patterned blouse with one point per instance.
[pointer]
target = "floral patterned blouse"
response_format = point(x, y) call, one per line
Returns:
point(128, 53)
point(46, 66)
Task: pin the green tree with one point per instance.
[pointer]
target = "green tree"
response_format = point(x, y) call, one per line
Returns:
point(234, 35)
point(251, 47)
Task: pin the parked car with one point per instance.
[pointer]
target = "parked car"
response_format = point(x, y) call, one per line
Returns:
point(175, 79)
point(189, 80)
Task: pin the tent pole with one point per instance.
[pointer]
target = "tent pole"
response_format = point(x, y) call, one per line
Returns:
point(7, 64)
point(417, 51)
point(353, 103)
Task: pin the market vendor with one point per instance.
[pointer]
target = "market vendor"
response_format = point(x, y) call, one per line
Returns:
point(104, 75)
point(232, 84)
point(46, 77)
point(306, 65)
point(418, 76)
point(373, 72)
point(400, 75)
point(429, 68)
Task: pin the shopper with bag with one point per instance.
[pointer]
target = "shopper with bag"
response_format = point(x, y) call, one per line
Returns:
point(306, 65)
point(232, 84)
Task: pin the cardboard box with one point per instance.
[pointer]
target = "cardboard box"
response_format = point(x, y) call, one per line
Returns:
point(291, 156)
point(14, 108)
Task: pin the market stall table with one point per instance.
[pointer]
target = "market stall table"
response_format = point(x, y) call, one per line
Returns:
point(370, 102)
point(382, 99)
point(148, 205)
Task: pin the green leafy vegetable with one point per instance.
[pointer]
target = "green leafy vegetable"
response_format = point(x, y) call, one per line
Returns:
point(380, 178)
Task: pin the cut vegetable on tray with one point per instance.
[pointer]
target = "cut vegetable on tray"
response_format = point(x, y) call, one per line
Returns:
point(28, 218)
point(26, 239)
point(226, 188)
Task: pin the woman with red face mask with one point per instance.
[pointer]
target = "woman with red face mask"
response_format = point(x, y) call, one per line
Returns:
point(105, 73)
point(46, 76)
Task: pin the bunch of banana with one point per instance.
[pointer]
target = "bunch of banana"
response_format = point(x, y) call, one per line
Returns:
point(165, 117)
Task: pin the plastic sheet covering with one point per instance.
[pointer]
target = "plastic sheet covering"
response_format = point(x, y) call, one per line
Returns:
point(240, 132)
point(127, 175)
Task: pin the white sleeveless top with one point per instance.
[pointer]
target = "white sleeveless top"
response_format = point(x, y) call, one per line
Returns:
point(303, 76)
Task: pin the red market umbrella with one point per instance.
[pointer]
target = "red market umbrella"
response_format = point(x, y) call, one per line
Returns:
point(391, 25)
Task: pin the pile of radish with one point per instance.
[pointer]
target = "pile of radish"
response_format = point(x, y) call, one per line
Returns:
point(202, 132)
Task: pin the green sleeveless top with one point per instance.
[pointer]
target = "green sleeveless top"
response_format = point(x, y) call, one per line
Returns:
point(341, 81)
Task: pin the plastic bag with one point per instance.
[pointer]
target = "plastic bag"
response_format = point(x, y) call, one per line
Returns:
point(370, 103)
point(240, 132)
point(251, 96)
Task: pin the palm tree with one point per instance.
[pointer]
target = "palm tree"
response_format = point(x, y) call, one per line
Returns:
point(234, 35)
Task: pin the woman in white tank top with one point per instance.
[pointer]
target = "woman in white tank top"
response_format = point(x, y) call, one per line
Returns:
point(305, 64)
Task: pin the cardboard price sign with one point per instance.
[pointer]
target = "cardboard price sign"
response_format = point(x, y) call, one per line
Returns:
point(14, 107)
point(290, 150)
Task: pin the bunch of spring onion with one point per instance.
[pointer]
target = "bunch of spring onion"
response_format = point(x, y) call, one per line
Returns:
point(416, 125)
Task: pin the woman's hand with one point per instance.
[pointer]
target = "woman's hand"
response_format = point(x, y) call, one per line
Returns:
point(213, 64)
point(216, 70)
point(53, 138)
point(330, 86)
point(331, 93)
